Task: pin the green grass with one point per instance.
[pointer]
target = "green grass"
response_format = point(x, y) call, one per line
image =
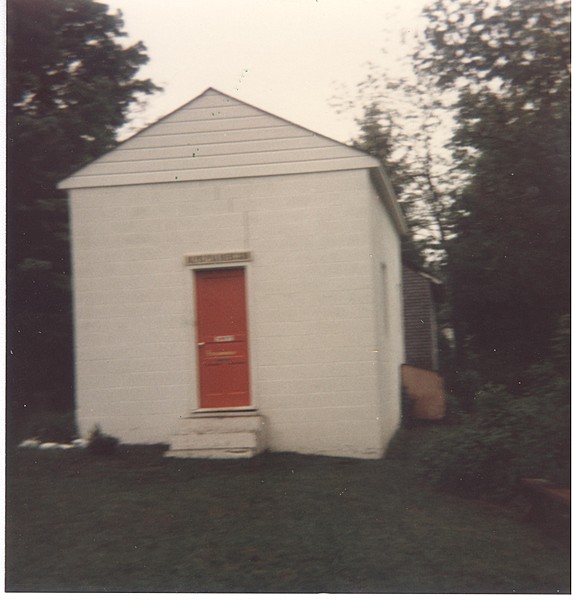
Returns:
point(277, 523)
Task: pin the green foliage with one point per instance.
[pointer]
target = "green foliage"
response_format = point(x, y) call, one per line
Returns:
point(506, 437)
point(524, 45)
point(495, 220)
point(102, 444)
point(70, 84)
point(376, 137)
point(464, 386)
point(509, 263)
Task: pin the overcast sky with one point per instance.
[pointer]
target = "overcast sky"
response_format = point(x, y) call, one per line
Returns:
point(285, 56)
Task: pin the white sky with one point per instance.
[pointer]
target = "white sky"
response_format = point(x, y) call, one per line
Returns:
point(285, 56)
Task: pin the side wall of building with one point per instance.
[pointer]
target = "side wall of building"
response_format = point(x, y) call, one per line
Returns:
point(387, 293)
point(421, 344)
point(313, 320)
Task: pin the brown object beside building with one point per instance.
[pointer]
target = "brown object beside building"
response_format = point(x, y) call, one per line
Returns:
point(425, 391)
point(423, 386)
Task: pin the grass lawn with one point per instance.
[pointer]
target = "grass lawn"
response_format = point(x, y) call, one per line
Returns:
point(277, 523)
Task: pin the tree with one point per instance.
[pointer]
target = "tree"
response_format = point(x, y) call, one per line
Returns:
point(401, 124)
point(70, 85)
point(509, 260)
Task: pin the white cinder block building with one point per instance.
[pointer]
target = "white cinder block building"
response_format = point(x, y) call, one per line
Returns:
point(237, 287)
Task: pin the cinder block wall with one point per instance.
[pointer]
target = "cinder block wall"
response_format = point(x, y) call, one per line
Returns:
point(315, 375)
point(387, 290)
point(316, 371)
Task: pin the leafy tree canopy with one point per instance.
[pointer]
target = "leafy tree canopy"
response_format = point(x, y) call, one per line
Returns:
point(70, 84)
point(493, 216)
point(521, 46)
point(509, 260)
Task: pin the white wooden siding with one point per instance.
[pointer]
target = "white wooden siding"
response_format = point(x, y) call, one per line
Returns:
point(216, 137)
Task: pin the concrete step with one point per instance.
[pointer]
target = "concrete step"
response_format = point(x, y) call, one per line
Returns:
point(219, 435)
point(213, 439)
point(220, 423)
point(217, 453)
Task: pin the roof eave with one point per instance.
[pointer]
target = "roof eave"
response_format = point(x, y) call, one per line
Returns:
point(383, 185)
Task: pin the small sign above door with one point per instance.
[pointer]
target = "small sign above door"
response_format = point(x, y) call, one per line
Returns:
point(223, 257)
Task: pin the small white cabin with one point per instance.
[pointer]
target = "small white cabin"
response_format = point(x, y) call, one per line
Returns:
point(237, 287)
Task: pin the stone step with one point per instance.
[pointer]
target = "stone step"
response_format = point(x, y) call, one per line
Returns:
point(212, 439)
point(218, 453)
point(218, 435)
point(201, 423)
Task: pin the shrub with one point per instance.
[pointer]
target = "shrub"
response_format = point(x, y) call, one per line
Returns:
point(102, 444)
point(463, 386)
point(462, 460)
point(506, 438)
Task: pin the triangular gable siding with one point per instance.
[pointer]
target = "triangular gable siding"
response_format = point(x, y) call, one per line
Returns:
point(216, 136)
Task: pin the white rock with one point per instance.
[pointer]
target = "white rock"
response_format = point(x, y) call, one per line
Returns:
point(48, 445)
point(80, 443)
point(32, 443)
point(65, 446)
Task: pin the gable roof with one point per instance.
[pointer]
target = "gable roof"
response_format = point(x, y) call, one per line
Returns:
point(216, 136)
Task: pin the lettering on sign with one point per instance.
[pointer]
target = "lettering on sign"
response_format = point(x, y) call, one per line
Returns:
point(224, 338)
point(228, 353)
point(223, 257)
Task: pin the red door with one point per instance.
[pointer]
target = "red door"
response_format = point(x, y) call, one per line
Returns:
point(222, 338)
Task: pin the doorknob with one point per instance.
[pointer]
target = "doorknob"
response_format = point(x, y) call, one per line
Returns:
point(200, 343)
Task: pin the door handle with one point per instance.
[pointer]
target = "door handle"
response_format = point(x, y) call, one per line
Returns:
point(201, 343)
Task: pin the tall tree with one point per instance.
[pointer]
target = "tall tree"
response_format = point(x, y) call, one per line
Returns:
point(401, 124)
point(70, 85)
point(509, 269)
